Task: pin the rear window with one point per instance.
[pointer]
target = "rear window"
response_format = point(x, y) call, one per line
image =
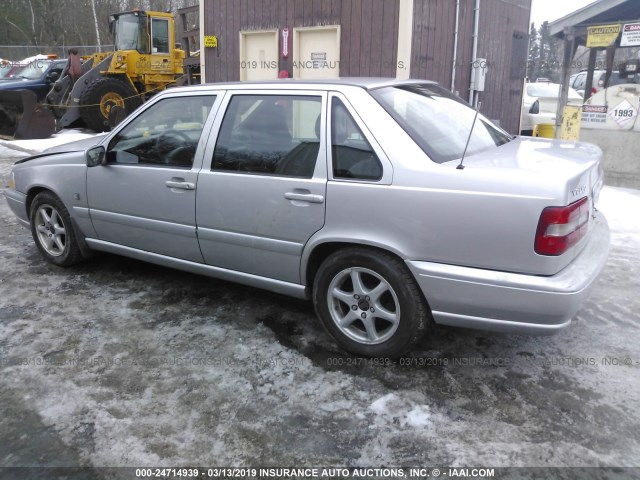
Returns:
point(616, 80)
point(438, 121)
point(543, 90)
point(551, 90)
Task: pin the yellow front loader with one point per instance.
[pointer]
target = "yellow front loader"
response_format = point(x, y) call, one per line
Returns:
point(144, 62)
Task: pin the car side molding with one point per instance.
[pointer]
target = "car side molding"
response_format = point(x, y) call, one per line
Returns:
point(277, 286)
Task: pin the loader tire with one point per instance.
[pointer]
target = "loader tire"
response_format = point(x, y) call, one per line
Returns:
point(100, 96)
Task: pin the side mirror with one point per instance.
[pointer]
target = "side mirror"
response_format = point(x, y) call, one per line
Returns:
point(52, 77)
point(96, 156)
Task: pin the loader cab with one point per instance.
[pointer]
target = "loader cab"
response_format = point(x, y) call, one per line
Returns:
point(130, 31)
point(145, 32)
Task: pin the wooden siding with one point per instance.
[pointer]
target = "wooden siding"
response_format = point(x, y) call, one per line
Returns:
point(368, 43)
point(501, 27)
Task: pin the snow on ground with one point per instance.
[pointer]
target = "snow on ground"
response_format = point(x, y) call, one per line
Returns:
point(30, 147)
point(621, 207)
point(13, 150)
point(116, 362)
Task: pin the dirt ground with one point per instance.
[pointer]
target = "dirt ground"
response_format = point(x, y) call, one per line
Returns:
point(120, 363)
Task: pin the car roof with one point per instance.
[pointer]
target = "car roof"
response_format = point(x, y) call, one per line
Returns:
point(368, 83)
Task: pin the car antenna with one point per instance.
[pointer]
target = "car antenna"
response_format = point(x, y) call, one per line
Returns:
point(460, 165)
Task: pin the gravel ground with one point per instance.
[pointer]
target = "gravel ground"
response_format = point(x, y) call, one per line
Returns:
point(120, 363)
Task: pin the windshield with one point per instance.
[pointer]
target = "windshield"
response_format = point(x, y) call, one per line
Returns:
point(543, 90)
point(131, 33)
point(31, 71)
point(6, 69)
point(438, 121)
point(549, 90)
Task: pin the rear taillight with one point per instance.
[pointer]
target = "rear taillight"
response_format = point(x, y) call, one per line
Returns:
point(560, 228)
point(535, 108)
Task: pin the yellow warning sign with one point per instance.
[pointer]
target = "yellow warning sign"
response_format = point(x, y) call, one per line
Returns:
point(571, 120)
point(602, 35)
point(210, 41)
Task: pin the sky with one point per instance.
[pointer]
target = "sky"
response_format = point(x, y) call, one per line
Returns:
point(551, 10)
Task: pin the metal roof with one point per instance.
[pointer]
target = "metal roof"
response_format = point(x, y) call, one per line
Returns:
point(598, 12)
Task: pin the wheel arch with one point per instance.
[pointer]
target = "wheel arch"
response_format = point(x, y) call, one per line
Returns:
point(328, 261)
point(33, 192)
point(320, 252)
point(123, 77)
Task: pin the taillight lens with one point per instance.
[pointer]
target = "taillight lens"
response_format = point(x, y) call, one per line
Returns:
point(560, 228)
point(535, 108)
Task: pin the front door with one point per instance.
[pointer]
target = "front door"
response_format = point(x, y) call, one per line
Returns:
point(262, 195)
point(160, 47)
point(145, 196)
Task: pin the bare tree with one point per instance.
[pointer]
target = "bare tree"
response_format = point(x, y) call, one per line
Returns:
point(95, 20)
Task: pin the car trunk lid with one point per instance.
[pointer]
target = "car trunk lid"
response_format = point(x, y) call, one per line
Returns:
point(569, 172)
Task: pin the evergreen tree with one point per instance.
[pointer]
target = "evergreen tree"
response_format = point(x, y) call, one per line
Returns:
point(544, 54)
point(533, 59)
point(549, 66)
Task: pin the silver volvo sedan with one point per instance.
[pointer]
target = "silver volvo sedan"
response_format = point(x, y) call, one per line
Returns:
point(390, 204)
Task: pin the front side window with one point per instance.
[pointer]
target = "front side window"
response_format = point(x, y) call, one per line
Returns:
point(159, 35)
point(165, 134)
point(131, 33)
point(351, 153)
point(439, 122)
point(270, 135)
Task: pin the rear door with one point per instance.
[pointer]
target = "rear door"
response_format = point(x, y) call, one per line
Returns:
point(145, 196)
point(261, 191)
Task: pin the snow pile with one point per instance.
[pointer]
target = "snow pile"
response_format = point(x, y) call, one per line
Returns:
point(391, 406)
point(621, 206)
point(34, 58)
point(30, 147)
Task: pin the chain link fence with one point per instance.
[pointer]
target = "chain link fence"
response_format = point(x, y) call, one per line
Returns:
point(16, 53)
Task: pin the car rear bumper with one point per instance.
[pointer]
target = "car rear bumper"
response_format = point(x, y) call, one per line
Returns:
point(509, 302)
point(18, 204)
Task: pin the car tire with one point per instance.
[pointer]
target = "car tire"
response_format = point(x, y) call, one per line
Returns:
point(370, 303)
point(52, 230)
point(96, 101)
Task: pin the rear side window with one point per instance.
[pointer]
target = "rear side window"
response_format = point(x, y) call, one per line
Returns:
point(439, 122)
point(270, 135)
point(351, 153)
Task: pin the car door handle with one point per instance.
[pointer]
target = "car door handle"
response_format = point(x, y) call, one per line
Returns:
point(180, 184)
point(304, 197)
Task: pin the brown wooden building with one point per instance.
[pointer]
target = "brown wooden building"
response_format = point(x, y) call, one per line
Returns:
point(260, 39)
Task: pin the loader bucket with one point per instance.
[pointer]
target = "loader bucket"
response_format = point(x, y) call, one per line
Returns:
point(21, 117)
